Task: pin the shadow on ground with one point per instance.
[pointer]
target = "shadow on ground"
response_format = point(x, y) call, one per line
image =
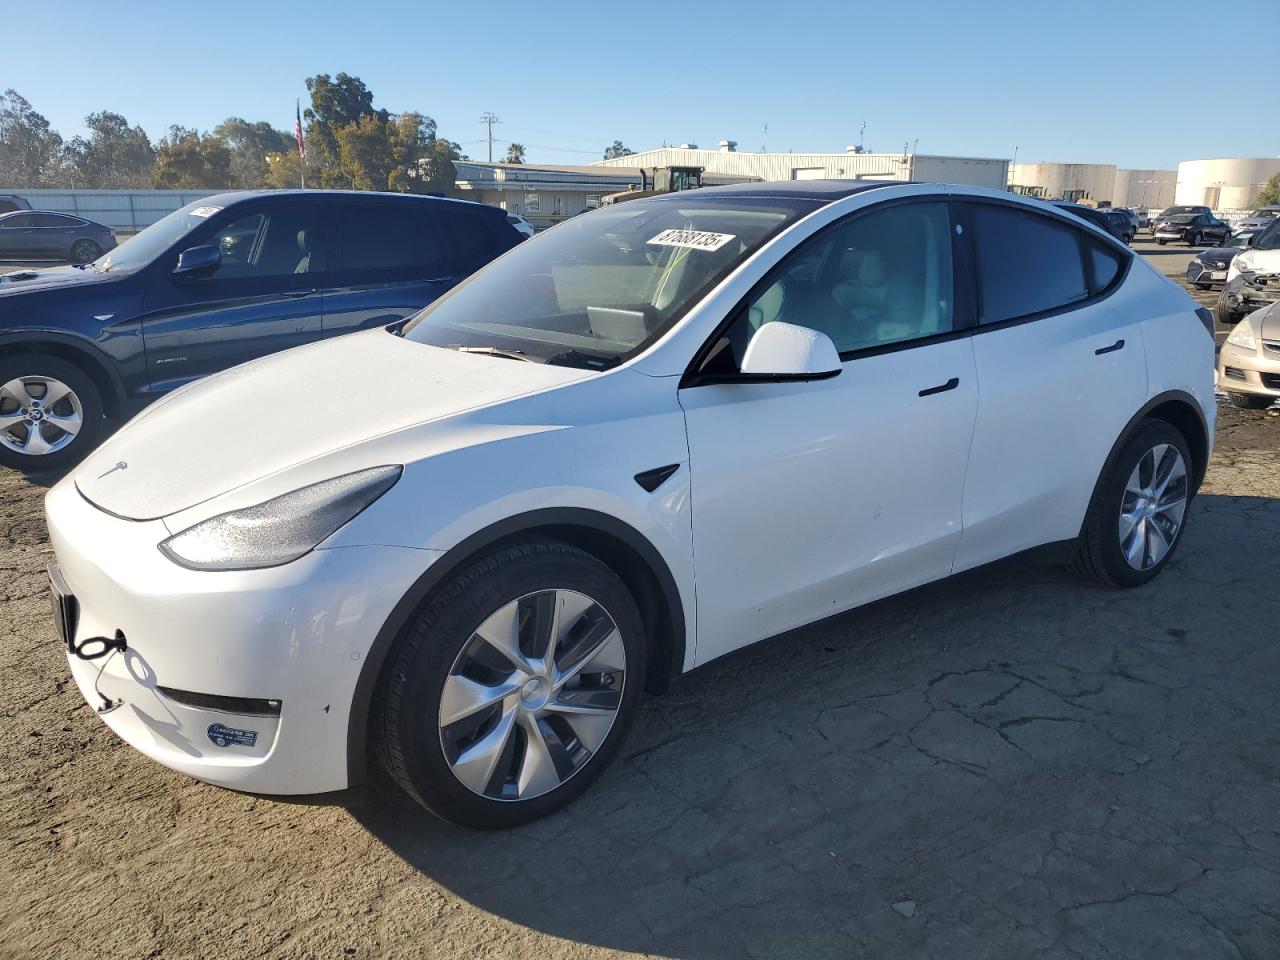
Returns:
point(1011, 762)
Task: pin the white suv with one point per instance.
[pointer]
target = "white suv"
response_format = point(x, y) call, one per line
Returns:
point(658, 433)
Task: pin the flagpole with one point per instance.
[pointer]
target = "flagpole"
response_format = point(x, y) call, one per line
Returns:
point(302, 152)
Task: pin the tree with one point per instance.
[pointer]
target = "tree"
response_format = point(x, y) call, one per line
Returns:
point(249, 144)
point(189, 160)
point(336, 103)
point(283, 170)
point(114, 156)
point(28, 148)
point(616, 149)
point(1270, 193)
point(399, 153)
point(515, 153)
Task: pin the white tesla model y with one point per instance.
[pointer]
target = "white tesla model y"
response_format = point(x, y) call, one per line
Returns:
point(465, 546)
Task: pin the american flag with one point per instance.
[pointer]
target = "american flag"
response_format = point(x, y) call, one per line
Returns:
point(297, 131)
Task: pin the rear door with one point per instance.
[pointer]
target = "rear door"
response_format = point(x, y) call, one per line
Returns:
point(392, 259)
point(265, 296)
point(1060, 372)
point(54, 234)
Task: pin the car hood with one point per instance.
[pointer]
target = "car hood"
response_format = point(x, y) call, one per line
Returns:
point(246, 423)
point(1270, 325)
point(1214, 254)
point(42, 278)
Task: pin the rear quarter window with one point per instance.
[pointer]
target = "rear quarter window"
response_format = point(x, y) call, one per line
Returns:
point(1027, 263)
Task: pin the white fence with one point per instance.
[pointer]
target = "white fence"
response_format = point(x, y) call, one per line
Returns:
point(125, 210)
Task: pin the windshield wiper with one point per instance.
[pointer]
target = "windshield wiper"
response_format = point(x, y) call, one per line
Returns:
point(587, 361)
point(493, 352)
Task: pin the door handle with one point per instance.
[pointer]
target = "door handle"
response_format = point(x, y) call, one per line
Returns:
point(1118, 345)
point(941, 388)
point(295, 294)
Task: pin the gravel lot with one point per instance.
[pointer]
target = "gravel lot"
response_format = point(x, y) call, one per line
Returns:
point(1010, 764)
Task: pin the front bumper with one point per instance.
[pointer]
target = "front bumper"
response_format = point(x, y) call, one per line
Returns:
point(1200, 272)
point(1256, 372)
point(297, 634)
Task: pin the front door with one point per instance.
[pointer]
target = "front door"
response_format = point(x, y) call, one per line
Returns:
point(266, 294)
point(810, 498)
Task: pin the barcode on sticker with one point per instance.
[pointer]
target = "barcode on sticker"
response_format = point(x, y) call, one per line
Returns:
point(693, 239)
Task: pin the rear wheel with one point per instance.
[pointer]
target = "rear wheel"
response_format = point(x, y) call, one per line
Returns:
point(1162, 242)
point(1139, 508)
point(85, 251)
point(1193, 240)
point(514, 688)
point(1249, 401)
point(50, 412)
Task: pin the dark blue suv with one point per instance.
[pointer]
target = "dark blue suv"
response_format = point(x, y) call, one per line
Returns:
point(219, 282)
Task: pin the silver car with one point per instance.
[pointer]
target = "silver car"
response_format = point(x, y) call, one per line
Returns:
point(1260, 218)
point(1249, 362)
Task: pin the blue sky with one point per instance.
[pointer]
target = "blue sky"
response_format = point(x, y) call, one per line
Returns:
point(1068, 81)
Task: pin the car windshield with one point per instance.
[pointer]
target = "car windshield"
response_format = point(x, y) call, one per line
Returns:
point(143, 248)
point(601, 287)
point(1182, 218)
point(1238, 240)
point(1266, 212)
point(1173, 211)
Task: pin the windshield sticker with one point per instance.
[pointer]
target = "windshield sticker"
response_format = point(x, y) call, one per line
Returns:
point(693, 239)
point(205, 211)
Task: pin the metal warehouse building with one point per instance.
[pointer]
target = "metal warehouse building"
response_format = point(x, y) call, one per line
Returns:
point(1230, 184)
point(850, 165)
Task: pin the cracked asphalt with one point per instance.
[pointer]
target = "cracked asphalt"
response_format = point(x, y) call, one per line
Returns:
point(1013, 763)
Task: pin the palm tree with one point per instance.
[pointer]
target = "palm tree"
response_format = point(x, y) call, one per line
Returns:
point(515, 153)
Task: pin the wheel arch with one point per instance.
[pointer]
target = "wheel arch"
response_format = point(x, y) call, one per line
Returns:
point(100, 370)
point(1180, 410)
point(614, 542)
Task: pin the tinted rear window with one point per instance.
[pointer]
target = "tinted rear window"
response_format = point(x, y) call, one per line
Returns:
point(1027, 263)
point(467, 234)
point(385, 236)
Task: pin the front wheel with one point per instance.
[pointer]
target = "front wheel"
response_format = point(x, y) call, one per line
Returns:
point(1138, 511)
point(1193, 240)
point(1162, 242)
point(85, 251)
point(50, 412)
point(514, 688)
point(1249, 401)
point(1224, 313)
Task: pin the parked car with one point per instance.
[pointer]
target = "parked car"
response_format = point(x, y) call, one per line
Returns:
point(219, 282)
point(467, 545)
point(1253, 278)
point(1210, 266)
point(1249, 361)
point(1260, 218)
point(1143, 215)
point(1191, 228)
point(521, 224)
point(11, 201)
point(1112, 221)
point(45, 235)
point(1168, 212)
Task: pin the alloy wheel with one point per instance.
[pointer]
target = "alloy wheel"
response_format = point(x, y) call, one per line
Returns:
point(82, 251)
point(1152, 507)
point(532, 695)
point(38, 415)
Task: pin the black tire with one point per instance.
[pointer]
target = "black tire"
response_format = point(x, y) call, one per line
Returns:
point(1162, 242)
point(86, 393)
point(1223, 312)
point(1248, 401)
point(405, 728)
point(1203, 286)
point(1193, 240)
point(85, 250)
point(1099, 556)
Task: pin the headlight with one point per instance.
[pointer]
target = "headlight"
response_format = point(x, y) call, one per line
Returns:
point(280, 530)
point(1242, 336)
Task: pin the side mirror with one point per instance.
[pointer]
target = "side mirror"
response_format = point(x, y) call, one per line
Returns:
point(197, 262)
point(785, 351)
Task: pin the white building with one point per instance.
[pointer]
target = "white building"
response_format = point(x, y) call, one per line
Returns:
point(1088, 182)
point(850, 165)
point(1230, 184)
point(1153, 189)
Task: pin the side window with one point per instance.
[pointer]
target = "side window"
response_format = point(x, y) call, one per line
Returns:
point(881, 277)
point(17, 222)
point(1104, 266)
point(277, 240)
point(1026, 263)
point(390, 237)
point(467, 236)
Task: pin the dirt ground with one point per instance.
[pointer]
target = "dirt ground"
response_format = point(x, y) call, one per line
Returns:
point(1011, 764)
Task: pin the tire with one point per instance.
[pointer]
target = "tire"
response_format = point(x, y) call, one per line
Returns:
point(60, 448)
point(1248, 401)
point(1203, 286)
point(1223, 312)
point(1162, 242)
point(1099, 553)
point(1193, 240)
point(441, 652)
point(85, 251)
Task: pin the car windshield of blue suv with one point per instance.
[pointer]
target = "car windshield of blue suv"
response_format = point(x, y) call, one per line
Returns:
point(142, 249)
point(598, 289)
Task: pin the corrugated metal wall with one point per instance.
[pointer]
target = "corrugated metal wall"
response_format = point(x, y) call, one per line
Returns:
point(124, 210)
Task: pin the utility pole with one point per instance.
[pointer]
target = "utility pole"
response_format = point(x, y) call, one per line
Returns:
point(489, 120)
